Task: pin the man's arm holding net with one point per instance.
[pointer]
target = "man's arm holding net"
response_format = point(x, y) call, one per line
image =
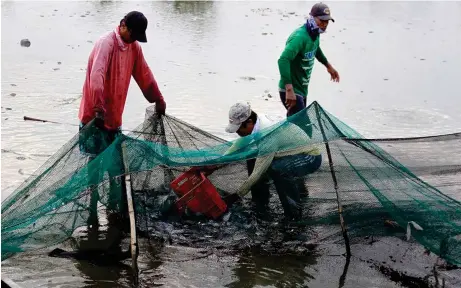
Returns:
point(261, 166)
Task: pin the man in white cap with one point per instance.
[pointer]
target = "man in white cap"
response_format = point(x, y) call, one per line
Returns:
point(285, 155)
point(244, 121)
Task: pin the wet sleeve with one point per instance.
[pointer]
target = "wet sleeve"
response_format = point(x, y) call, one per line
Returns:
point(261, 166)
point(239, 144)
point(101, 60)
point(321, 57)
point(145, 79)
point(292, 48)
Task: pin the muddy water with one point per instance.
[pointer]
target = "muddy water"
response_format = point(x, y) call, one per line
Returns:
point(399, 66)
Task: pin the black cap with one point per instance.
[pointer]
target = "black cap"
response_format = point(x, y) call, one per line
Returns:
point(137, 23)
point(321, 11)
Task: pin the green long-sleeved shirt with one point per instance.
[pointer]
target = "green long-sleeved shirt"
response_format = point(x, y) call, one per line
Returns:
point(297, 60)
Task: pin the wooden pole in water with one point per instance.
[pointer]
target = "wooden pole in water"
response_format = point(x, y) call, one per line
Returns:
point(8, 283)
point(129, 198)
point(333, 175)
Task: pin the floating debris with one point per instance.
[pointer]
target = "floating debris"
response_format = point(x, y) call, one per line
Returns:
point(55, 69)
point(9, 109)
point(89, 41)
point(264, 33)
point(422, 59)
point(21, 158)
point(13, 94)
point(249, 78)
point(25, 43)
point(13, 84)
point(59, 63)
point(385, 79)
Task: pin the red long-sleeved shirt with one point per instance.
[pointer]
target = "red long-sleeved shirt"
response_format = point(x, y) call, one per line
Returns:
point(111, 64)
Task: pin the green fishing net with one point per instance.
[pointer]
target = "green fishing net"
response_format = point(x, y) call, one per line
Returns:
point(411, 181)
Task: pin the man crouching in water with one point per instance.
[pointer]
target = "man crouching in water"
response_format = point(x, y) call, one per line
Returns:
point(284, 155)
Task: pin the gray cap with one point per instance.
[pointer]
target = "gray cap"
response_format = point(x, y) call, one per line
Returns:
point(321, 11)
point(238, 113)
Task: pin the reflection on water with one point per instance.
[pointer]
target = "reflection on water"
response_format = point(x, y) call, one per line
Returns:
point(286, 271)
point(206, 56)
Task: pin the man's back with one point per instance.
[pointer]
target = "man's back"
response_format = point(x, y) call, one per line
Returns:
point(276, 135)
point(286, 139)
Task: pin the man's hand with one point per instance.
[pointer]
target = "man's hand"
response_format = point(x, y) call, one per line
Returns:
point(207, 170)
point(231, 199)
point(160, 107)
point(290, 97)
point(99, 120)
point(334, 74)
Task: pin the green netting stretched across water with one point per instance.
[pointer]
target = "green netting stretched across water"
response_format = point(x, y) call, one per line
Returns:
point(409, 181)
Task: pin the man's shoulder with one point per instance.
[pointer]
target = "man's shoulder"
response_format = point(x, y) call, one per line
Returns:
point(107, 40)
point(108, 36)
point(298, 36)
point(269, 120)
point(299, 32)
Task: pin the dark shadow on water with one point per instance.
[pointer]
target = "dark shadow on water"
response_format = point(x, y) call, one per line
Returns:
point(280, 271)
point(103, 276)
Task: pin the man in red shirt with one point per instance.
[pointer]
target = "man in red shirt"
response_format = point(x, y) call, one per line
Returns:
point(115, 57)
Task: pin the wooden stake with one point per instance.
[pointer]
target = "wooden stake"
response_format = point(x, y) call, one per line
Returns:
point(129, 198)
point(333, 175)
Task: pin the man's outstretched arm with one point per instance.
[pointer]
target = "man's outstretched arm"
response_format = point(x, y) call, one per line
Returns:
point(147, 83)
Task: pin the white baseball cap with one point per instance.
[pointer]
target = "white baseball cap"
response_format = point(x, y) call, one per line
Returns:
point(238, 113)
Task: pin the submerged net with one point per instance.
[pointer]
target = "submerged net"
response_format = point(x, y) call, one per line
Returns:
point(412, 182)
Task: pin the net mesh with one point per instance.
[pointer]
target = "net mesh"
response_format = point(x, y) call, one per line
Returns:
point(412, 182)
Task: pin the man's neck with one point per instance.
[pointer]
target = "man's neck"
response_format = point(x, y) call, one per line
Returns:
point(256, 126)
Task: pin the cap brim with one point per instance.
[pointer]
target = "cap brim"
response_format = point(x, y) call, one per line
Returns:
point(141, 37)
point(232, 128)
point(326, 18)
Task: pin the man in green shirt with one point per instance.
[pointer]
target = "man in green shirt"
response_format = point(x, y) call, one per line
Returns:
point(297, 59)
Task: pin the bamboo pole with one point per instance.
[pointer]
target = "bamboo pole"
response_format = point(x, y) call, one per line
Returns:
point(333, 175)
point(129, 197)
point(6, 282)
